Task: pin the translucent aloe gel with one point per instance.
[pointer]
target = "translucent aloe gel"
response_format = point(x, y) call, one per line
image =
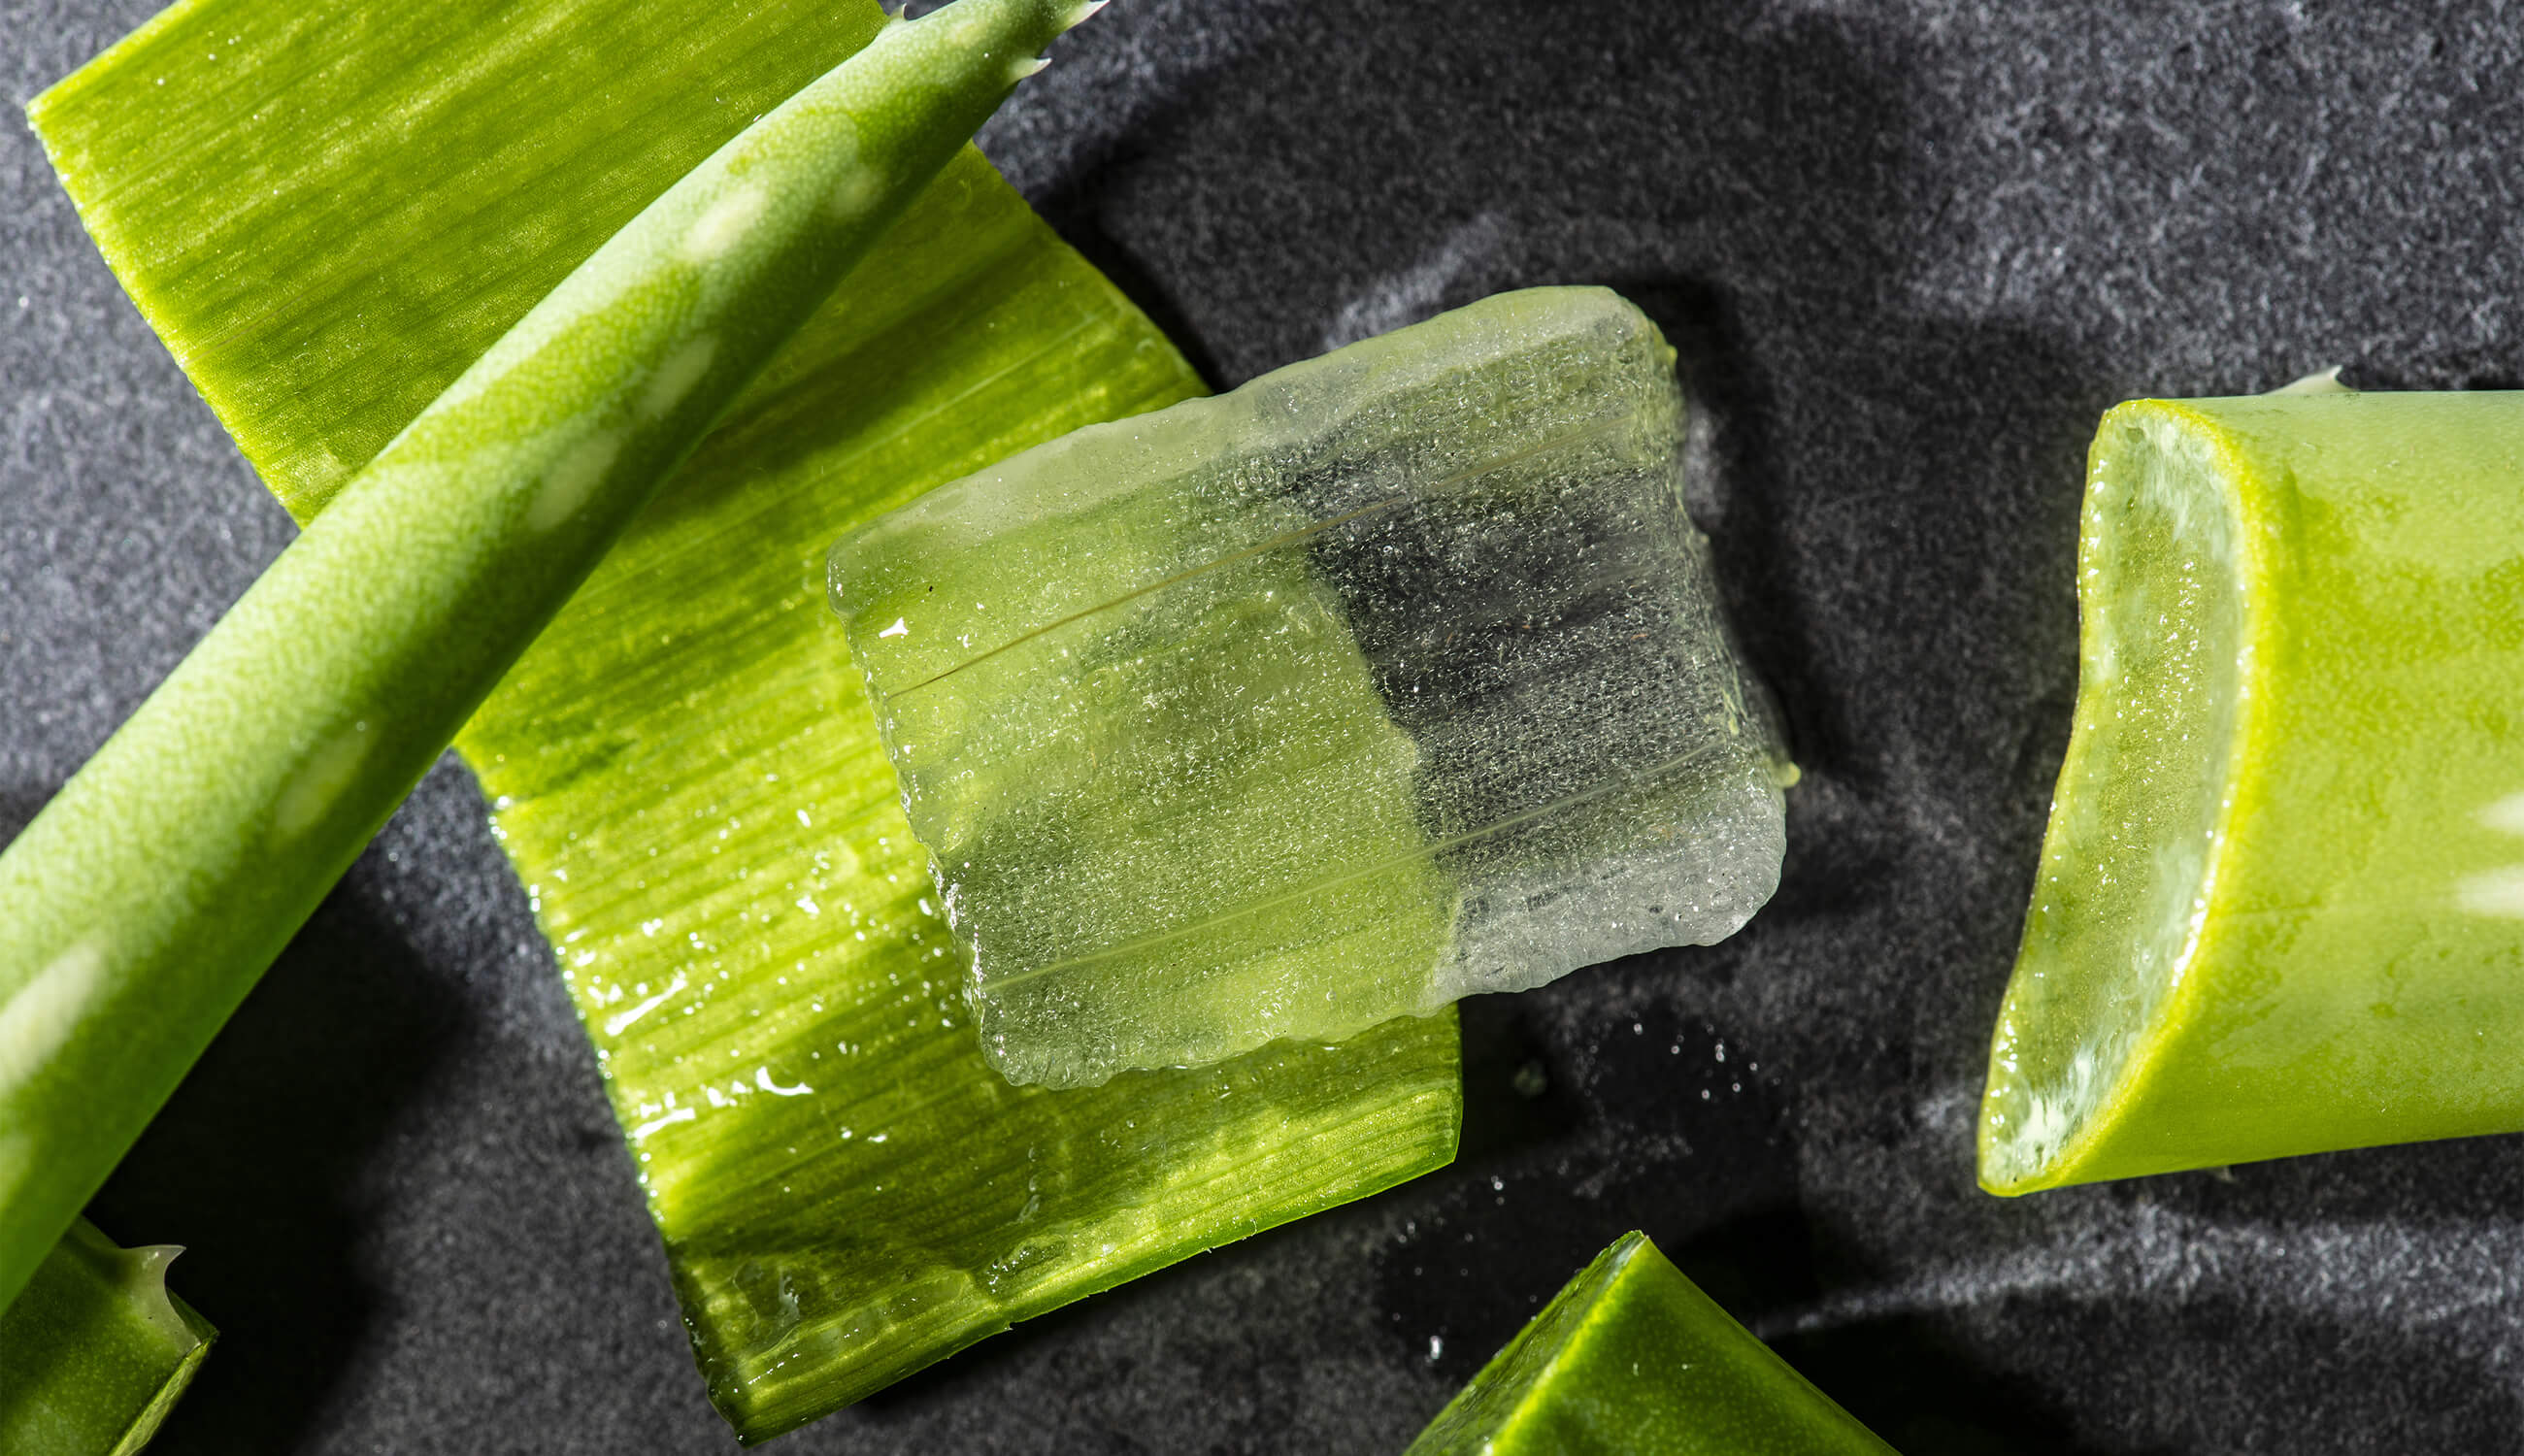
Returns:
point(1392, 677)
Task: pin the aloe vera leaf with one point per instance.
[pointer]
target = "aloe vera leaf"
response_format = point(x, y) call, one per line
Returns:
point(148, 896)
point(695, 679)
point(95, 1350)
point(1631, 1359)
point(2281, 899)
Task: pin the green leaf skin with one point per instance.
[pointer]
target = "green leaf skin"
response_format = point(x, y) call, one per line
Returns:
point(652, 755)
point(148, 896)
point(2281, 902)
point(96, 1350)
point(1630, 1359)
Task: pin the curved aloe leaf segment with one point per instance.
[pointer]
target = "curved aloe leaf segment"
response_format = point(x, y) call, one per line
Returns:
point(2281, 902)
point(685, 769)
point(1630, 1358)
point(148, 896)
point(96, 1350)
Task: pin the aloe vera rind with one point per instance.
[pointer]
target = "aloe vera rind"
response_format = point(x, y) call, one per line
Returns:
point(1630, 1359)
point(653, 753)
point(95, 1350)
point(148, 896)
point(2281, 902)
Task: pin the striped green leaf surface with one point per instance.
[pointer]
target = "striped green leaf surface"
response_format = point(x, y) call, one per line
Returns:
point(326, 210)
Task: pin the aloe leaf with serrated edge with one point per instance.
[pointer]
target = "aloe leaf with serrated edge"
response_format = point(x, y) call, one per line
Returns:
point(96, 1349)
point(331, 218)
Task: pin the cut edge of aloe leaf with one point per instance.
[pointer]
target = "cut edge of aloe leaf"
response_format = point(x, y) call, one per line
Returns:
point(1632, 1355)
point(96, 1350)
point(1501, 1392)
point(2139, 821)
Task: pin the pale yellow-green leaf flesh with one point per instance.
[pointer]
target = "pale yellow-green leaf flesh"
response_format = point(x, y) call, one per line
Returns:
point(327, 211)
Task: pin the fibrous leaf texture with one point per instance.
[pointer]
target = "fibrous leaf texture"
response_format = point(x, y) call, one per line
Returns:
point(327, 211)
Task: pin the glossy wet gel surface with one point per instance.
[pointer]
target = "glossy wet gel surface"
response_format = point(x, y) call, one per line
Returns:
point(1392, 677)
point(2124, 887)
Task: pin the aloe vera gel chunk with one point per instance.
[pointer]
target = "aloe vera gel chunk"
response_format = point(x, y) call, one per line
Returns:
point(1392, 677)
point(2280, 907)
point(96, 1350)
point(1631, 1359)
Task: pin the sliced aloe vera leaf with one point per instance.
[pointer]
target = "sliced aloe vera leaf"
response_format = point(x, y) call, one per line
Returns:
point(1631, 1359)
point(685, 770)
point(95, 1350)
point(2281, 902)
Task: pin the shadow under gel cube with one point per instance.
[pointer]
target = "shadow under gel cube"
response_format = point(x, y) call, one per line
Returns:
point(1392, 677)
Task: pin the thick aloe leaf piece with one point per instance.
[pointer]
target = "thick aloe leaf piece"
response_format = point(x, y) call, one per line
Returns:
point(2281, 900)
point(330, 222)
point(1631, 1359)
point(95, 1350)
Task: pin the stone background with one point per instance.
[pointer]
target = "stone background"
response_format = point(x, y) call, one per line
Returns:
point(1910, 249)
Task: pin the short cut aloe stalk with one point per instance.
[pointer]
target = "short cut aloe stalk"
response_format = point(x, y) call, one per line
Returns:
point(1631, 1359)
point(96, 1350)
point(151, 892)
point(2280, 907)
point(683, 768)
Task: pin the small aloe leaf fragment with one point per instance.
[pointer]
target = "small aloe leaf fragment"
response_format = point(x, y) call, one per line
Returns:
point(1632, 1357)
point(96, 1350)
point(684, 769)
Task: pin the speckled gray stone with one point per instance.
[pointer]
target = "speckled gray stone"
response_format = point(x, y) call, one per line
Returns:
point(1910, 252)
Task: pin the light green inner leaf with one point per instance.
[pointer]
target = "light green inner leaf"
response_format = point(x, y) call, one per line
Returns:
point(327, 211)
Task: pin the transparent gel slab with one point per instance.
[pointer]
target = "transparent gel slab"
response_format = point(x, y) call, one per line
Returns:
point(1392, 677)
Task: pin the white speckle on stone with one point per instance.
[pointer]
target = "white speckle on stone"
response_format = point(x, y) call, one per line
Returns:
point(572, 479)
point(725, 222)
point(326, 771)
point(674, 379)
point(38, 1019)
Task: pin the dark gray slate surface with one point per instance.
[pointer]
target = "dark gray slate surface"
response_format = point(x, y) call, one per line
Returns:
point(1910, 250)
